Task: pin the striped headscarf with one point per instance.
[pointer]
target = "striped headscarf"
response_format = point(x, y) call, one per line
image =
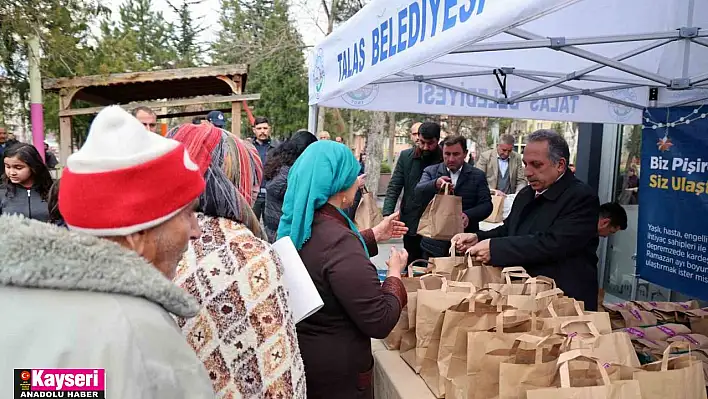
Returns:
point(208, 146)
point(243, 167)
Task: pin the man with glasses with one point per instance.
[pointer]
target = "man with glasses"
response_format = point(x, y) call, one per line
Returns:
point(147, 117)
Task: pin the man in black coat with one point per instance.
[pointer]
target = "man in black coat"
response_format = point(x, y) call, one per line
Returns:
point(406, 174)
point(552, 228)
point(467, 182)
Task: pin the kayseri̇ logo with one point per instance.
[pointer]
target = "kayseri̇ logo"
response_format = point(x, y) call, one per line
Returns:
point(318, 72)
point(622, 112)
point(363, 96)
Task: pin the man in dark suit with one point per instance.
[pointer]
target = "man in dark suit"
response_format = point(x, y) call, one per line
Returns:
point(467, 182)
point(552, 228)
point(406, 175)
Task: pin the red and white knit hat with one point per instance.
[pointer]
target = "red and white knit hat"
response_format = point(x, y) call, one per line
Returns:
point(125, 179)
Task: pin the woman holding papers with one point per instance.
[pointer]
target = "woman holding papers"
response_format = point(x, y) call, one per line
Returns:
point(244, 333)
point(336, 341)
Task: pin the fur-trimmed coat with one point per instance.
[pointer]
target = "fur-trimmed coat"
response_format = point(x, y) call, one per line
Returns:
point(69, 300)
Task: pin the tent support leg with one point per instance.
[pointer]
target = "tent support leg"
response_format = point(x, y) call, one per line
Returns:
point(312, 118)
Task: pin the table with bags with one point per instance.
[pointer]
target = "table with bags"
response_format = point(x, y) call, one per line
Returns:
point(478, 331)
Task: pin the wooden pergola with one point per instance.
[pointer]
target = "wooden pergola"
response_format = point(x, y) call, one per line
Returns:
point(158, 90)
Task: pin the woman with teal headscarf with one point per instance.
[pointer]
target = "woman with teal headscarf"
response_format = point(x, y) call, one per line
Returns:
point(335, 342)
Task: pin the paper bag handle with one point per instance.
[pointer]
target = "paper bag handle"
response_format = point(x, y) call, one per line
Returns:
point(667, 353)
point(513, 269)
point(546, 294)
point(591, 326)
point(579, 354)
point(417, 261)
point(441, 277)
point(364, 190)
point(474, 296)
point(538, 342)
point(445, 188)
point(512, 312)
point(576, 305)
point(534, 282)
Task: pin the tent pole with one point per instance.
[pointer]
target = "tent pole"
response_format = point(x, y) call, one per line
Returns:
point(686, 102)
point(589, 55)
point(573, 88)
point(576, 74)
point(687, 44)
point(702, 42)
point(696, 80)
point(545, 42)
point(312, 118)
point(411, 78)
point(577, 92)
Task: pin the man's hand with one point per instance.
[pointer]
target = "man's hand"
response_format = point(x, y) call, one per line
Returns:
point(498, 193)
point(463, 241)
point(389, 228)
point(442, 180)
point(480, 252)
point(465, 221)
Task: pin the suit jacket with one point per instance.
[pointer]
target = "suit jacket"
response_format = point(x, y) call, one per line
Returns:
point(476, 200)
point(554, 235)
point(406, 175)
point(489, 164)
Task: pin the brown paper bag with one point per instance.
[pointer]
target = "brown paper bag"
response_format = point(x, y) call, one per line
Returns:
point(442, 218)
point(576, 385)
point(677, 378)
point(525, 285)
point(599, 320)
point(484, 356)
point(408, 338)
point(613, 348)
point(458, 382)
point(452, 266)
point(536, 303)
point(367, 213)
point(431, 305)
point(665, 331)
point(497, 215)
point(530, 367)
point(412, 284)
point(695, 341)
point(479, 274)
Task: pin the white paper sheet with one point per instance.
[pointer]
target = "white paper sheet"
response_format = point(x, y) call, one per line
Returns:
point(508, 202)
point(304, 298)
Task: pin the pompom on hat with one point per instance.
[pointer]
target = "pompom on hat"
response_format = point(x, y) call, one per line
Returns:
point(125, 179)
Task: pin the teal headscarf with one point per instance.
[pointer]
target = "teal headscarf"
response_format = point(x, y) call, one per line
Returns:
point(324, 169)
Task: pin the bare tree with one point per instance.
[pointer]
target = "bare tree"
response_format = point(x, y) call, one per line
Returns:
point(391, 136)
point(374, 151)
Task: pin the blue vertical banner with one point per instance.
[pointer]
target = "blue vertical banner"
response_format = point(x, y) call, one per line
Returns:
point(672, 236)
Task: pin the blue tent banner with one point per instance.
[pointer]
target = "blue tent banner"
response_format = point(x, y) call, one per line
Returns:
point(672, 237)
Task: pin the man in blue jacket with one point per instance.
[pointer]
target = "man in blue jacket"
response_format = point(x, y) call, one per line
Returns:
point(467, 182)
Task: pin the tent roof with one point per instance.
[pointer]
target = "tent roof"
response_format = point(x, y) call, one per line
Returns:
point(608, 53)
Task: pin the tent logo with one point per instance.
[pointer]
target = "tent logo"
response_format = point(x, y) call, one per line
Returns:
point(363, 96)
point(318, 72)
point(621, 112)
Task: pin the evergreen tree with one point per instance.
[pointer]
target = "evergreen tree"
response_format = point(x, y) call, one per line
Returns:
point(140, 40)
point(260, 34)
point(185, 36)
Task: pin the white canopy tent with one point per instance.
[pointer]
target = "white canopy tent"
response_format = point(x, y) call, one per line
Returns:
point(567, 60)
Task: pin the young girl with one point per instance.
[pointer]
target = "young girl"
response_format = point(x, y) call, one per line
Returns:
point(26, 184)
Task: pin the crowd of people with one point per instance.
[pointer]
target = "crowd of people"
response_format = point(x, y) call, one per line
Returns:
point(150, 259)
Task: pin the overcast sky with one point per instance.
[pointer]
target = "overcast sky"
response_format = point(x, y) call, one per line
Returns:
point(305, 13)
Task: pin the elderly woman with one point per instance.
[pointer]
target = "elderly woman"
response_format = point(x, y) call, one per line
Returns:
point(336, 341)
point(244, 333)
